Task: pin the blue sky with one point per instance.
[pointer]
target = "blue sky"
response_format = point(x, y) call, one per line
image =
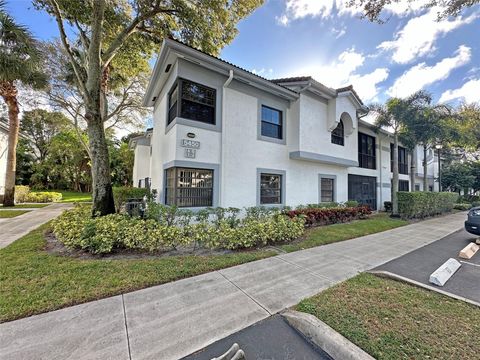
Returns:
point(329, 41)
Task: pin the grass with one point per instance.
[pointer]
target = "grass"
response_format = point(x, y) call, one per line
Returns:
point(338, 232)
point(71, 196)
point(394, 320)
point(33, 281)
point(11, 213)
point(25, 206)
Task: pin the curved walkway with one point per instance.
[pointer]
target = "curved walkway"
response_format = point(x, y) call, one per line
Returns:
point(12, 229)
point(173, 320)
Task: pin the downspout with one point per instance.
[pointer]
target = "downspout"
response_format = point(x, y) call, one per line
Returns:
point(223, 139)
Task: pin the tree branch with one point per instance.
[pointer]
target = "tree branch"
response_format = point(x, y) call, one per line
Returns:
point(130, 29)
point(66, 45)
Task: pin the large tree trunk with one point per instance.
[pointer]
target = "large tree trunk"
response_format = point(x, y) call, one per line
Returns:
point(94, 104)
point(425, 168)
point(9, 94)
point(395, 177)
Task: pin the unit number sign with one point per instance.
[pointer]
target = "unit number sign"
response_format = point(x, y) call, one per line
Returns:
point(192, 144)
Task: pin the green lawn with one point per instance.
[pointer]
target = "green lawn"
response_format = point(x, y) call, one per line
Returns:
point(11, 213)
point(394, 320)
point(33, 281)
point(25, 206)
point(333, 233)
point(71, 196)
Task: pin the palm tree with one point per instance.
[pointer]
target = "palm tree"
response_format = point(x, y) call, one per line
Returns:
point(394, 115)
point(20, 61)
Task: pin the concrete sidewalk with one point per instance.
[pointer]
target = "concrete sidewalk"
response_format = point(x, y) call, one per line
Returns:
point(173, 320)
point(12, 229)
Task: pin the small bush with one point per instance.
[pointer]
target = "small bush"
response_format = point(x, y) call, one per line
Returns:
point(21, 192)
point(468, 199)
point(23, 195)
point(351, 203)
point(475, 203)
point(422, 204)
point(123, 193)
point(465, 206)
point(327, 216)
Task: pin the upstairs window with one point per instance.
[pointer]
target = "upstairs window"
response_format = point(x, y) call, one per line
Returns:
point(270, 189)
point(192, 101)
point(366, 151)
point(272, 123)
point(402, 160)
point(338, 134)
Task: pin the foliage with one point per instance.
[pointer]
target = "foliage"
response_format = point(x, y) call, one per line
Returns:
point(25, 162)
point(122, 193)
point(99, 235)
point(41, 126)
point(372, 9)
point(462, 206)
point(460, 176)
point(423, 204)
point(121, 163)
point(24, 195)
point(326, 216)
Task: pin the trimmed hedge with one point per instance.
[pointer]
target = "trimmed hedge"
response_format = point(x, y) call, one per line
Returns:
point(464, 206)
point(100, 235)
point(24, 195)
point(420, 204)
point(327, 216)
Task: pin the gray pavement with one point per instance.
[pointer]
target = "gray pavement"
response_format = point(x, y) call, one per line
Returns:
point(419, 264)
point(14, 228)
point(272, 338)
point(173, 320)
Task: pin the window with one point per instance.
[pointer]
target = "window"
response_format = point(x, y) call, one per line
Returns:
point(417, 187)
point(366, 151)
point(272, 123)
point(338, 134)
point(186, 187)
point(402, 160)
point(403, 185)
point(270, 189)
point(191, 101)
point(327, 190)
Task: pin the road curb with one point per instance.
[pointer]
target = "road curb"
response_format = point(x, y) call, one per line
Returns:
point(388, 274)
point(323, 336)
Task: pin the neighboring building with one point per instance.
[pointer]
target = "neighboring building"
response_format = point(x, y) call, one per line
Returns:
point(223, 136)
point(3, 153)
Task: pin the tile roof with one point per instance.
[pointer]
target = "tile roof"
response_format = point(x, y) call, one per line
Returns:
point(350, 88)
point(292, 79)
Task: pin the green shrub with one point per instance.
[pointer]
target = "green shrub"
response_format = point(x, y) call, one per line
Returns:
point(77, 229)
point(23, 195)
point(21, 192)
point(122, 193)
point(351, 203)
point(422, 204)
point(465, 206)
point(468, 199)
point(475, 203)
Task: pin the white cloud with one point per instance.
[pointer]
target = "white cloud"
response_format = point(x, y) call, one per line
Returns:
point(421, 75)
point(298, 9)
point(263, 72)
point(418, 36)
point(470, 92)
point(344, 71)
point(339, 32)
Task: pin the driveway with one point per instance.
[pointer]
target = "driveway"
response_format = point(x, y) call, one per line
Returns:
point(419, 264)
point(14, 228)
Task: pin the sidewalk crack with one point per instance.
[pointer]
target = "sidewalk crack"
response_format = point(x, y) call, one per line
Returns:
point(246, 294)
point(126, 328)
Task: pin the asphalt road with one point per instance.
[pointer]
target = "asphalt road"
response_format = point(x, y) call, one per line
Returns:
point(419, 264)
point(271, 339)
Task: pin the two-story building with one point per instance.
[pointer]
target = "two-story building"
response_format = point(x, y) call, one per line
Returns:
point(223, 136)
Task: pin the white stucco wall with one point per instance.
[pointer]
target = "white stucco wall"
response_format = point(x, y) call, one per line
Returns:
point(141, 166)
point(3, 159)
